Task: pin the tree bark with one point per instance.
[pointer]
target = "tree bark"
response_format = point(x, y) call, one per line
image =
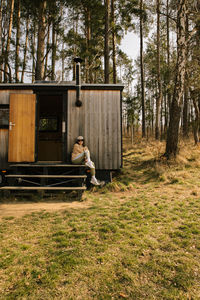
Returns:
point(6, 66)
point(1, 43)
point(53, 56)
point(39, 73)
point(25, 49)
point(168, 66)
point(142, 71)
point(113, 41)
point(177, 100)
point(186, 89)
point(159, 97)
point(106, 42)
point(33, 38)
point(47, 50)
point(196, 121)
point(63, 61)
point(17, 41)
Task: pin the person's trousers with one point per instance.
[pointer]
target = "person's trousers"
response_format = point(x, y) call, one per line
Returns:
point(79, 159)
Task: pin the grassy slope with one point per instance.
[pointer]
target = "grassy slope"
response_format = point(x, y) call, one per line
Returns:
point(139, 239)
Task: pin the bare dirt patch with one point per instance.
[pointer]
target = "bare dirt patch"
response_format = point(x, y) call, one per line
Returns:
point(20, 209)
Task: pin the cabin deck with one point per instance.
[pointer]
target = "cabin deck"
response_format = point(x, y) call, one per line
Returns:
point(45, 176)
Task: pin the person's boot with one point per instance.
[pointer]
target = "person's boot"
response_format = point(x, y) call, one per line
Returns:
point(94, 181)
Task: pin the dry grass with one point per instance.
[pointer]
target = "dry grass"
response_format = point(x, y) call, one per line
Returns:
point(138, 238)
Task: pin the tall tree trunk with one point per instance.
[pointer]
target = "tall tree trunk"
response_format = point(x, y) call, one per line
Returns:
point(1, 43)
point(63, 61)
point(177, 100)
point(17, 41)
point(53, 56)
point(6, 66)
point(159, 96)
point(33, 38)
point(41, 42)
point(113, 41)
point(186, 89)
point(168, 64)
point(197, 119)
point(25, 49)
point(47, 50)
point(106, 42)
point(142, 71)
point(166, 113)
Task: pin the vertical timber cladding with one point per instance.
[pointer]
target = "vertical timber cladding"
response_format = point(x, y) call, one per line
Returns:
point(99, 121)
point(5, 99)
point(3, 148)
point(22, 128)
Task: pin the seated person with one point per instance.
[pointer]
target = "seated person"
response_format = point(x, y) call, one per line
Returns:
point(81, 154)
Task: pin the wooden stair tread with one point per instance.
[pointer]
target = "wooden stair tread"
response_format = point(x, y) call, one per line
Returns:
point(46, 165)
point(44, 176)
point(43, 188)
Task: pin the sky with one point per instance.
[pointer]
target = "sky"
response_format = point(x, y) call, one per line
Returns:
point(131, 45)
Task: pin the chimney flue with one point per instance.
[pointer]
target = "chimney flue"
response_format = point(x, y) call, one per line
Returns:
point(78, 61)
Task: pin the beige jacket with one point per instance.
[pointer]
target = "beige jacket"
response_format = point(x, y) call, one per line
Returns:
point(78, 149)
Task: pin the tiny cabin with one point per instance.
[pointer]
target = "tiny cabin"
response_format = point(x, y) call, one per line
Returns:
point(39, 123)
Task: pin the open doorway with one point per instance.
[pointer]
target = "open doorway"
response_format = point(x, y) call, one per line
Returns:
point(50, 127)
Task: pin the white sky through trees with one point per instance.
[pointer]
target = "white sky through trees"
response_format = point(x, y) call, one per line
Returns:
point(131, 45)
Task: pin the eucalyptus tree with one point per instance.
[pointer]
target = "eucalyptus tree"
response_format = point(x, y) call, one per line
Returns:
point(177, 99)
point(159, 94)
point(7, 67)
point(193, 65)
point(113, 27)
point(106, 42)
point(1, 38)
point(26, 16)
point(17, 44)
point(142, 69)
point(39, 71)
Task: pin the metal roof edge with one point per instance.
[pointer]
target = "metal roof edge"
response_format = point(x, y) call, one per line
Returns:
point(45, 86)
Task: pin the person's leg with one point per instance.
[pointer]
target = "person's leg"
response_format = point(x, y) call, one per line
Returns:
point(79, 159)
point(92, 170)
point(87, 155)
point(93, 178)
point(88, 163)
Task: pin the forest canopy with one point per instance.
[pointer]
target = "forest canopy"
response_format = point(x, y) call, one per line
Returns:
point(40, 39)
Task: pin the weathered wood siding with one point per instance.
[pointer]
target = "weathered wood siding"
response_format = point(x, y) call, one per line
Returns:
point(5, 94)
point(3, 148)
point(99, 121)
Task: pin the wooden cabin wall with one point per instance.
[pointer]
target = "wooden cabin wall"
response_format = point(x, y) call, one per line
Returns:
point(3, 148)
point(4, 99)
point(5, 94)
point(99, 121)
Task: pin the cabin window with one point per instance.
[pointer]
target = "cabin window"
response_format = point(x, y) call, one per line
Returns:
point(48, 124)
point(4, 116)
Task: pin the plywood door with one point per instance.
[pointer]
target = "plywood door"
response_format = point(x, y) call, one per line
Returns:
point(21, 147)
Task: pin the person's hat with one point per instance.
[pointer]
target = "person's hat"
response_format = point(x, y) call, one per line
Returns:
point(80, 138)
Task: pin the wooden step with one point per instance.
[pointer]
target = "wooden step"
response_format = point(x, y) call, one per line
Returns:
point(47, 165)
point(44, 176)
point(76, 188)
